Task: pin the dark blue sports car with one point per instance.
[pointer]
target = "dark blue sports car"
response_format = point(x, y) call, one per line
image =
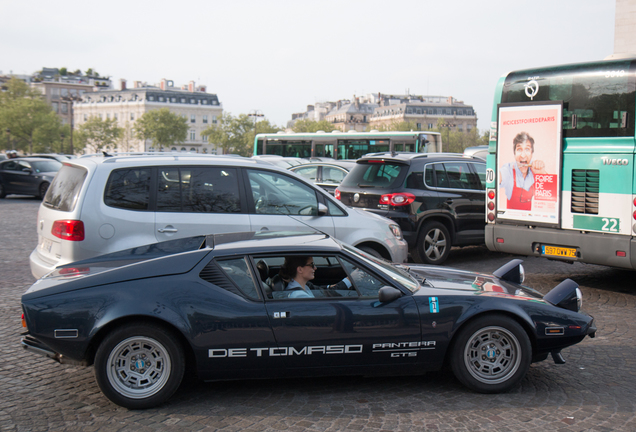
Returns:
point(226, 305)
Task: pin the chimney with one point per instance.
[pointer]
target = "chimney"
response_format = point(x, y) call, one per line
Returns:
point(202, 89)
point(357, 103)
point(450, 100)
point(191, 86)
point(310, 108)
point(338, 104)
point(137, 84)
point(122, 84)
point(164, 83)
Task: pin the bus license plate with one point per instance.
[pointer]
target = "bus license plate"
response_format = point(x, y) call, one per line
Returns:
point(558, 251)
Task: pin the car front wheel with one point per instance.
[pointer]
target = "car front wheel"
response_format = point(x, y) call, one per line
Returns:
point(3, 192)
point(139, 366)
point(433, 244)
point(491, 354)
point(42, 190)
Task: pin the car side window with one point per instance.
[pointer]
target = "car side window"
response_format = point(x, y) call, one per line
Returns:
point(480, 176)
point(333, 175)
point(198, 190)
point(10, 166)
point(128, 188)
point(366, 284)
point(276, 193)
point(238, 270)
point(456, 175)
point(334, 210)
point(308, 172)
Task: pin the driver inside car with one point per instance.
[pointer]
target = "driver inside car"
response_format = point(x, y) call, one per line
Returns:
point(298, 271)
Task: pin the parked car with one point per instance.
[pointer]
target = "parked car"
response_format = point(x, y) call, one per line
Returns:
point(479, 151)
point(438, 199)
point(139, 316)
point(27, 176)
point(101, 204)
point(57, 157)
point(283, 162)
point(327, 175)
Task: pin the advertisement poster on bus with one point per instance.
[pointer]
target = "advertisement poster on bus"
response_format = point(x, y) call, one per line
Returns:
point(529, 162)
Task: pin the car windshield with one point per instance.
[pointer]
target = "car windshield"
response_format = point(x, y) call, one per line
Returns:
point(46, 166)
point(395, 273)
point(374, 175)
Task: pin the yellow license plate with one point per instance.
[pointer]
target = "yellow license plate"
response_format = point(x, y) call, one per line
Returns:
point(558, 251)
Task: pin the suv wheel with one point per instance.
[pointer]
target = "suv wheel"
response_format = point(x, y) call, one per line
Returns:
point(433, 244)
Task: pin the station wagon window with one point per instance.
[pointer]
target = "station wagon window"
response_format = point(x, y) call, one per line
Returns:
point(275, 193)
point(198, 190)
point(65, 188)
point(128, 188)
point(374, 174)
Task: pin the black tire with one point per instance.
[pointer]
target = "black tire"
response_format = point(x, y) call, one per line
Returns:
point(491, 354)
point(42, 190)
point(124, 372)
point(433, 244)
point(3, 192)
point(371, 251)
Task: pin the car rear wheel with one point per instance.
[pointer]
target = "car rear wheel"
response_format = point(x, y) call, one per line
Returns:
point(433, 244)
point(3, 192)
point(491, 354)
point(42, 190)
point(139, 366)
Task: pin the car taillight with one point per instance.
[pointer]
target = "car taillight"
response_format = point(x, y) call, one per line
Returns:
point(336, 194)
point(397, 199)
point(74, 271)
point(23, 322)
point(72, 230)
point(490, 205)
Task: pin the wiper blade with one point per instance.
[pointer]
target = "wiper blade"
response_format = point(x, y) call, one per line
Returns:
point(416, 275)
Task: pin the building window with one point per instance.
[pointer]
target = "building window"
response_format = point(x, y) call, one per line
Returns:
point(193, 118)
point(85, 117)
point(64, 92)
point(161, 99)
point(107, 116)
point(214, 119)
point(64, 108)
point(183, 149)
point(193, 135)
point(132, 116)
point(183, 100)
point(430, 126)
point(151, 98)
point(55, 106)
point(193, 101)
point(419, 126)
point(468, 128)
point(204, 101)
point(192, 149)
point(173, 99)
point(173, 149)
point(204, 138)
point(55, 92)
point(205, 118)
point(460, 128)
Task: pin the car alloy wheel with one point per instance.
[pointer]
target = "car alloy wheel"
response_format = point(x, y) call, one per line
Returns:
point(434, 243)
point(139, 366)
point(491, 354)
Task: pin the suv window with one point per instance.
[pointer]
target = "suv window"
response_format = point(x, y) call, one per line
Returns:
point(65, 188)
point(453, 175)
point(380, 175)
point(128, 188)
point(198, 190)
point(275, 193)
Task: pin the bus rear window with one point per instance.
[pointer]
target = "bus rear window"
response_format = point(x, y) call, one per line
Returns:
point(65, 188)
point(598, 100)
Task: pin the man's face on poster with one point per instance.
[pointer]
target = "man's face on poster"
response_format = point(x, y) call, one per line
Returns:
point(523, 154)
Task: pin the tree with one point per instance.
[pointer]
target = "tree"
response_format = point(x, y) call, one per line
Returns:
point(97, 135)
point(398, 126)
point(63, 71)
point(163, 127)
point(28, 117)
point(307, 125)
point(455, 141)
point(236, 134)
point(127, 137)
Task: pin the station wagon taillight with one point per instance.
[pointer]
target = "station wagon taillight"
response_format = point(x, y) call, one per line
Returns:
point(72, 230)
point(397, 199)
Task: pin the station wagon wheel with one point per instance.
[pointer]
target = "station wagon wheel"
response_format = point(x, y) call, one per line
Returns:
point(433, 243)
point(491, 354)
point(139, 366)
point(42, 190)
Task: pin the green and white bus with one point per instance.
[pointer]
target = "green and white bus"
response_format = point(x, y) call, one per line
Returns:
point(560, 169)
point(345, 145)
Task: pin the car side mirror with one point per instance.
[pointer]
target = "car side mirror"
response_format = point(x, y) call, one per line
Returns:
point(322, 209)
point(388, 294)
point(27, 170)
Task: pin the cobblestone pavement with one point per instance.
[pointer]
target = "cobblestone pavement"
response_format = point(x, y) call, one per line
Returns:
point(594, 391)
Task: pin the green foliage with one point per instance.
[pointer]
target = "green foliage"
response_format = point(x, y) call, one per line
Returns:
point(455, 141)
point(163, 127)
point(31, 121)
point(63, 71)
point(236, 134)
point(307, 125)
point(90, 72)
point(97, 135)
point(398, 126)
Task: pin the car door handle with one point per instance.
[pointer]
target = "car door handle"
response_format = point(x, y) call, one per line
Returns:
point(449, 201)
point(167, 230)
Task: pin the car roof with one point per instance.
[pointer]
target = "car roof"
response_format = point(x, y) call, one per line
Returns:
point(31, 159)
point(348, 164)
point(410, 156)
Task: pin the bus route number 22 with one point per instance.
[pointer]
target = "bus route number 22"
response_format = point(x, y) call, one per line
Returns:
point(610, 224)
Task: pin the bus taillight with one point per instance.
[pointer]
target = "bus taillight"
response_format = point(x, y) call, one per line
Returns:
point(490, 205)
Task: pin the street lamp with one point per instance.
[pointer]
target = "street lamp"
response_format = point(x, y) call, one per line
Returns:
point(71, 99)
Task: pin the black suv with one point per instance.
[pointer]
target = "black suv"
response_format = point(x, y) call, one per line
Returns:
point(438, 199)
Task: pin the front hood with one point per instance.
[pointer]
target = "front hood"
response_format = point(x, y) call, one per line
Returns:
point(445, 278)
point(367, 213)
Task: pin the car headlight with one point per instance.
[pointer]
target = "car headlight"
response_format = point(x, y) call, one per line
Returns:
point(397, 232)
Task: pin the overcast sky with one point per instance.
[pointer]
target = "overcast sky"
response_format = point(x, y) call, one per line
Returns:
point(279, 56)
